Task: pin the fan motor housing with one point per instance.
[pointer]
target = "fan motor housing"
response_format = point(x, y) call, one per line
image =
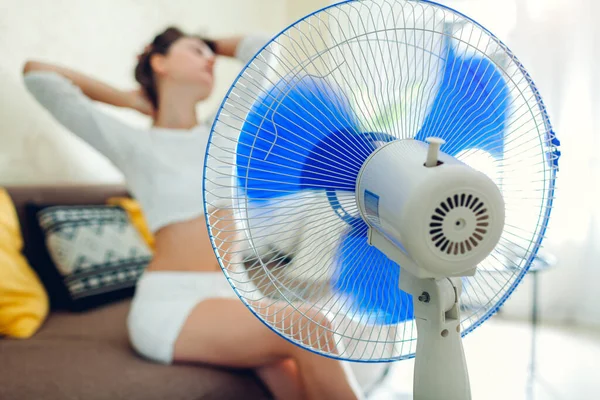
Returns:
point(446, 218)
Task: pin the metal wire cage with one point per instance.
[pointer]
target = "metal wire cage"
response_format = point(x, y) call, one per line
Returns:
point(297, 124)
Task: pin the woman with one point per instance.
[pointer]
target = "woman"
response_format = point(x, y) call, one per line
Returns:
point(183, 310)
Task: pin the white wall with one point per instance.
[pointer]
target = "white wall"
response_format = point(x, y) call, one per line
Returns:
point(100, 38)
point(298, 9)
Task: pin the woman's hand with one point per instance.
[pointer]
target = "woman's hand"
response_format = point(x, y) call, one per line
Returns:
point(139, 102)
point(227, 46)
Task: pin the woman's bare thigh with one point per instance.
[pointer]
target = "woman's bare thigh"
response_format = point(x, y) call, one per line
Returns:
point(225, 332)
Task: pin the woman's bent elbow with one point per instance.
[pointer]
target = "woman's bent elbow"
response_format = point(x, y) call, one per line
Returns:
point(29, 66)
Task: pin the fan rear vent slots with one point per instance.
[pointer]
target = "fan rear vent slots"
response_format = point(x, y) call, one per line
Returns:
point(475, 234)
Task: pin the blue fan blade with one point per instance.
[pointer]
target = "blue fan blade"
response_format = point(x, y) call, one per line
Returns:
point(301, 134)
point(368, 282)
point(471, 106)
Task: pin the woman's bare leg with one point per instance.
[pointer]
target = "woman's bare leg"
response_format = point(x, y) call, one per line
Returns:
point(224, 332)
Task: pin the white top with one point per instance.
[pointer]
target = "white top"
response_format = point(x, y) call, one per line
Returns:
point(163, 168)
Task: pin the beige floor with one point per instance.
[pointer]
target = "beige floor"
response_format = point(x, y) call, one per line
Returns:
point(498, 356)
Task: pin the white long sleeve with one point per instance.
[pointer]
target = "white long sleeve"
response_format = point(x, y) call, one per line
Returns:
point(78, 113)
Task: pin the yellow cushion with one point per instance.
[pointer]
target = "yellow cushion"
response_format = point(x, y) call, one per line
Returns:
point(23, 299)
point(136, 215)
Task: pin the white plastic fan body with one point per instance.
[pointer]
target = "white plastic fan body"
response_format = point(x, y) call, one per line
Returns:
point(438, 224)
point(441, 221)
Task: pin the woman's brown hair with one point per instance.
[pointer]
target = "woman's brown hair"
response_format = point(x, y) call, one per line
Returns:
point(144, 74)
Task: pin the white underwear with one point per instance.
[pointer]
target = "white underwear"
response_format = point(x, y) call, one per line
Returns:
point(162, 303)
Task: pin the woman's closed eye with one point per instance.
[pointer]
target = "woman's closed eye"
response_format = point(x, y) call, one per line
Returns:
point(204, 51)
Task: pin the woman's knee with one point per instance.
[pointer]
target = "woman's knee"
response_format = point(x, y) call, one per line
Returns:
point(304, 325)
point(282, 367)
point(318, 331)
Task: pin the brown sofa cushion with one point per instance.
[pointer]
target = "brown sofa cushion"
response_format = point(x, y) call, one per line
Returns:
point(87, 356)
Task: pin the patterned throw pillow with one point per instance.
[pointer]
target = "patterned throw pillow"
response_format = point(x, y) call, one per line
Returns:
point(96, 250)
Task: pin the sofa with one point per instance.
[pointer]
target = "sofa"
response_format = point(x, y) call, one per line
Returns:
point(87, 355)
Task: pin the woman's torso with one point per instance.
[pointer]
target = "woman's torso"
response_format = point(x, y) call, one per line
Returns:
point(165, 174)
point(184, 246)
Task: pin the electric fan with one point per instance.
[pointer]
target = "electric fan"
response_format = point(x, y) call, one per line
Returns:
point(384, 171)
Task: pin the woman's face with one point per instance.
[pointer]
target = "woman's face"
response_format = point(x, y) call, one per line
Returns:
point(190, 61)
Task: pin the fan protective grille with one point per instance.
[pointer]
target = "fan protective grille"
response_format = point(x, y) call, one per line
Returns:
point(282, 252)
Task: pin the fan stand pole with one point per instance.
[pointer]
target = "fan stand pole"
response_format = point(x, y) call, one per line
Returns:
point(440, 364)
